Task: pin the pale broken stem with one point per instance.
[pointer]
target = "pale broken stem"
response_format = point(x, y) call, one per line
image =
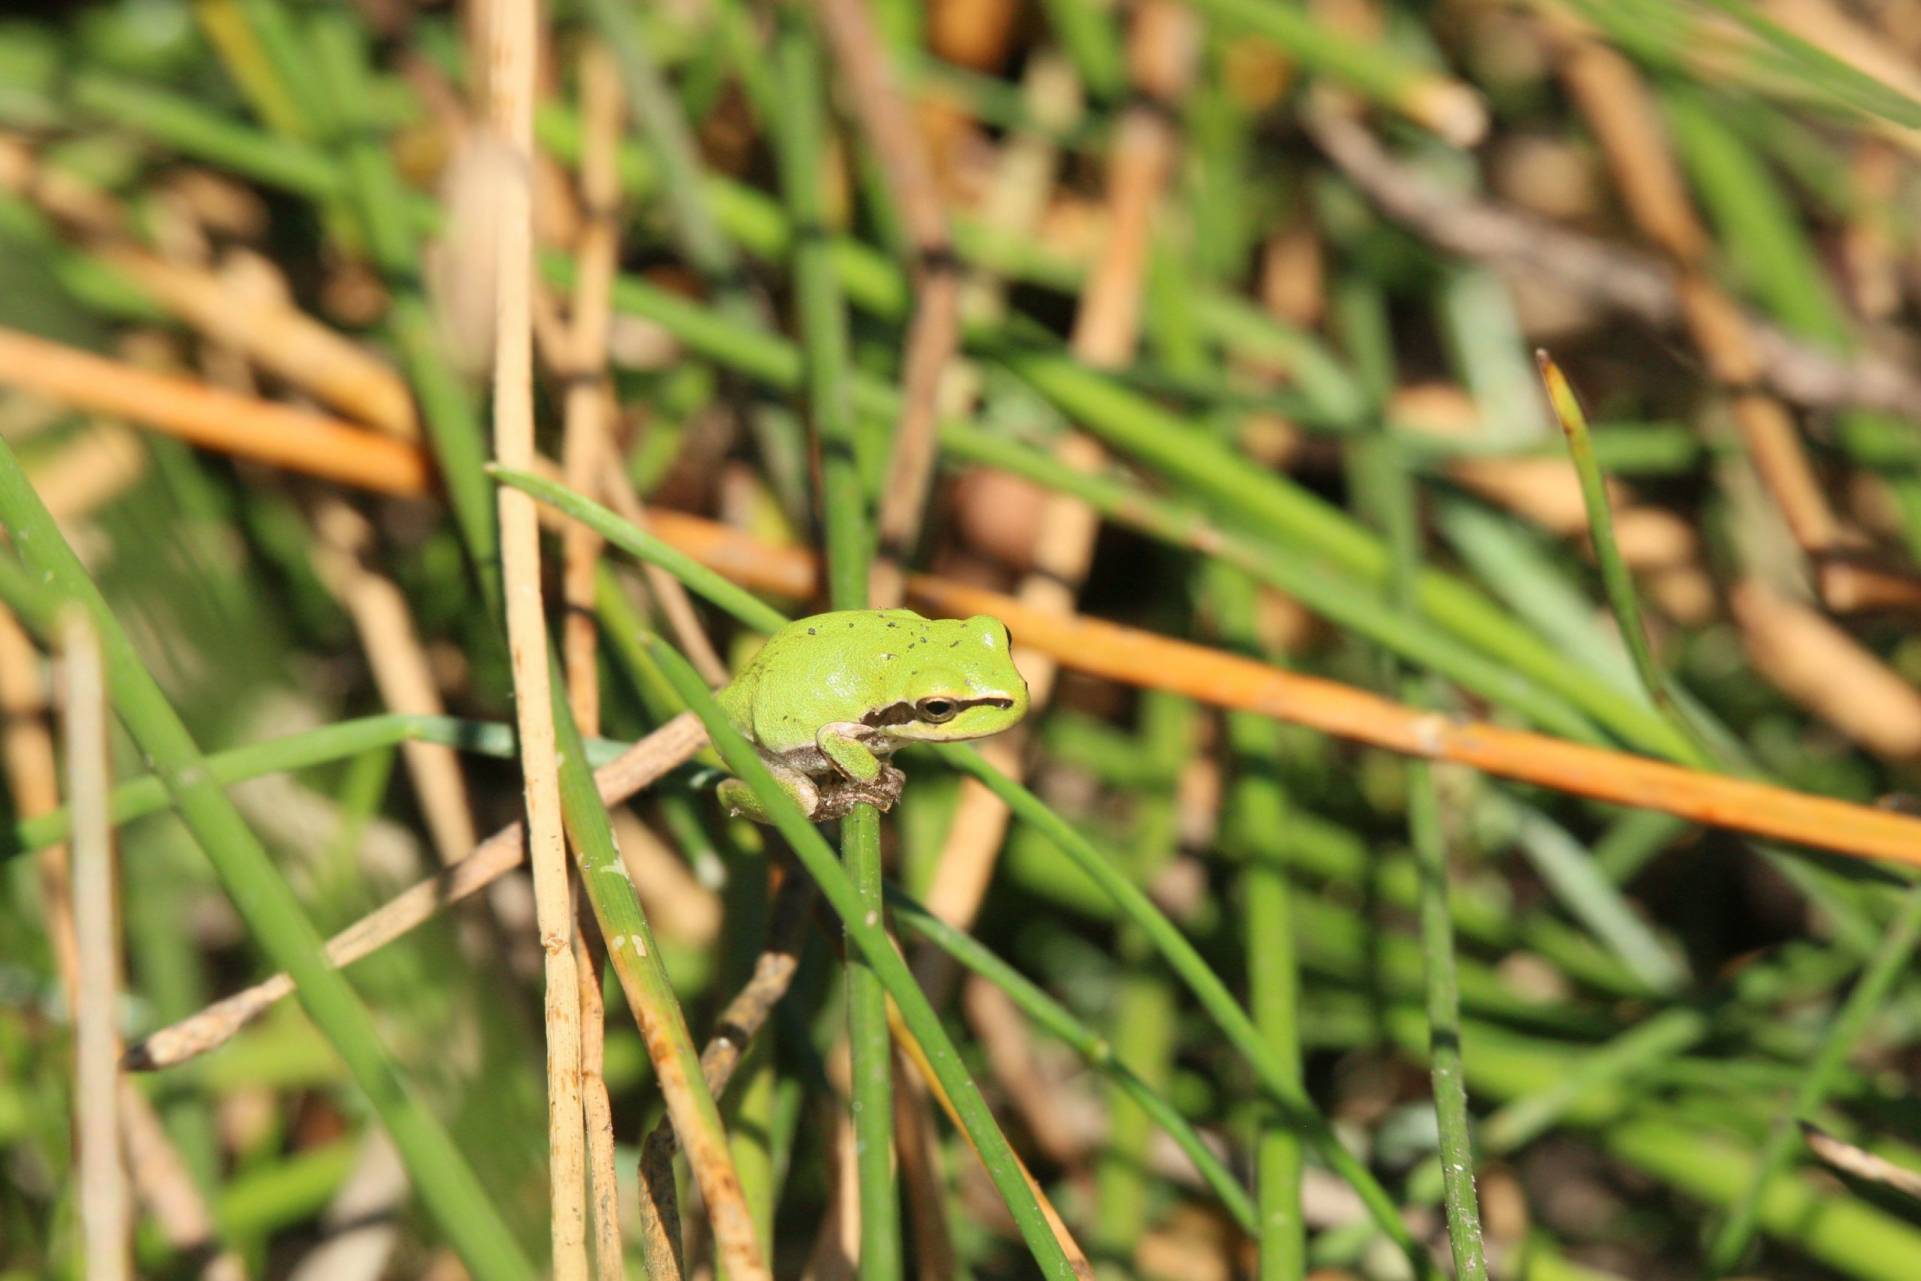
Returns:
point(106, 1219)
point(734, 1030)
point(167, 1189)
point(513, 33)
point(584, 449)
point(639, 766)
point(338, 372)
point(159, 1175)
point(399, 665)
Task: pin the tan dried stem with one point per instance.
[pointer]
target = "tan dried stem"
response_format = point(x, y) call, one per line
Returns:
point(887, 119)
point(1827, 671)
point(639, 766)
point(33, 782)
point(1161, 51)
point(584, 453)
point(276, 336)
point(98, 465)
point(160, 1177)
point(513, 35)
point(400, 667)
point(603, 1186)
point(106, 1217)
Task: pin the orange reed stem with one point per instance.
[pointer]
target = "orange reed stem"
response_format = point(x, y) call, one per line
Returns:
point(243, 426)
point(225, 421)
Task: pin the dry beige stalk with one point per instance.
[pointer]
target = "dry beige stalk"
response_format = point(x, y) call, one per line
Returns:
point(585, 451)
point(602, 1185)
point(106, 1217)
point(513, 34)
point(159, 1175)
point(933, 334)
point(400, 668)
point(32, 781)
point(1827, 671)
point(639, 766)
point(278, 337)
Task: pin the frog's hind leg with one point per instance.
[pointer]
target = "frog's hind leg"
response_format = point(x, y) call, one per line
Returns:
point(741, 800)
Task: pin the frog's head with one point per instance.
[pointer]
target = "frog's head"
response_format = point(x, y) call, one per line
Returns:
point(952, 680)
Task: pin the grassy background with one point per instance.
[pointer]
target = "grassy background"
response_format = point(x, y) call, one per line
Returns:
point(1257, 285)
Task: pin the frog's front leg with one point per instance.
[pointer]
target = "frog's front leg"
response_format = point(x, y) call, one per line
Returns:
point(741, 800)
point(869, 779)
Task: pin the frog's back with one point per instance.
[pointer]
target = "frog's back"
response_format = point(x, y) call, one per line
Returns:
point(809, 673)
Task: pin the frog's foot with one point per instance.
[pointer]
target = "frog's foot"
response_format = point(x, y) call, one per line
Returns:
point(838, 797)
point(843, 745)
point(741, 801)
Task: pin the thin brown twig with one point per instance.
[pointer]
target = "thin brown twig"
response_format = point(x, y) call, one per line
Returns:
point(639, 766)
point(513, 34)
point(933, 333)
point(918, 1147)
point(1619, 277)
point(106, 1218)
point(734, 1030)
point(1076, 1257)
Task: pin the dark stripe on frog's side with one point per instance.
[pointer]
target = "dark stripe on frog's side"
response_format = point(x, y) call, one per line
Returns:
point(905, 713)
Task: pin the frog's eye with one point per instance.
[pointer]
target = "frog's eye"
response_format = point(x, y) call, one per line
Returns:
point(936, 710)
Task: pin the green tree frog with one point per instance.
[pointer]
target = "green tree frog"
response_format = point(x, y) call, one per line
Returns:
point(829, 698)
